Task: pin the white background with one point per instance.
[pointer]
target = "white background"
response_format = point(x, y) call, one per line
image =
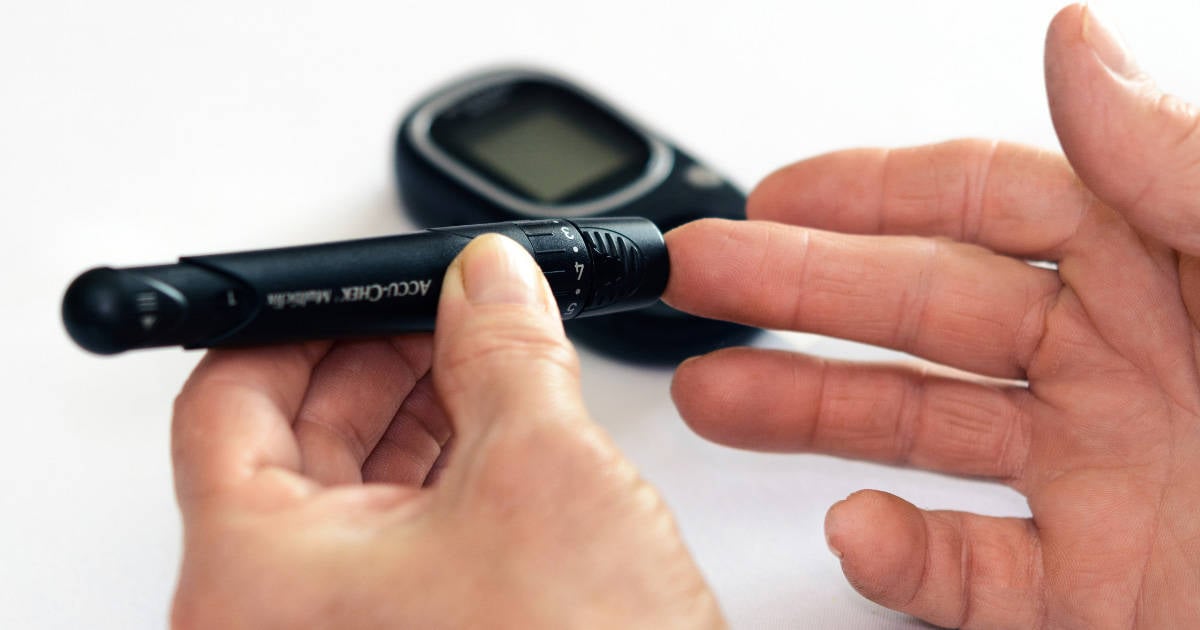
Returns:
point(135, 131)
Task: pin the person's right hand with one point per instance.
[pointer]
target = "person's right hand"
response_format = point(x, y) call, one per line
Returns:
point(924, 254)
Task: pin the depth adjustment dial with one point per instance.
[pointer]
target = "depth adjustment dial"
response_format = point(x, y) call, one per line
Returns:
point(563, 254)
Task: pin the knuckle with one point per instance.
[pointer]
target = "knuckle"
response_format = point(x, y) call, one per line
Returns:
point(1179, 114)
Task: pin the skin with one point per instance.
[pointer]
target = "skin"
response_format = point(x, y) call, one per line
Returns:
point(313, 483)
point(921, 250)
point(305, 478)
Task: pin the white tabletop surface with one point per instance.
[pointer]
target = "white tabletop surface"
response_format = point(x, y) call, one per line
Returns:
point(135, 131)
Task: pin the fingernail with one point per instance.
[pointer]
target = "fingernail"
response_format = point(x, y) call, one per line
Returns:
point(1107, 45)
point(498, 271)
point(832, 549)
point(830, 526)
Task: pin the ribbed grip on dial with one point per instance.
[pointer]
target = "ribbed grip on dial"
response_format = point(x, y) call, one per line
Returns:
point(618, 266)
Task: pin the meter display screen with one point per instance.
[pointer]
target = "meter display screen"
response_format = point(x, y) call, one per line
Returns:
point(546, 154)
point(544, 144)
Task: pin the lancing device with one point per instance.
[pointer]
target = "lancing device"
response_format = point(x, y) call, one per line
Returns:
point(376, 286)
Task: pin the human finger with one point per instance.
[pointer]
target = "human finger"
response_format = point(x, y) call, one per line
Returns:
point(949, 302)
point(414, 440)
point(1138, 149)
point(1013, 199)
point(779, 401)
point(501, 357)
point(355, 393)
point(1135, 147)
point(952, 569)
point(233, 417)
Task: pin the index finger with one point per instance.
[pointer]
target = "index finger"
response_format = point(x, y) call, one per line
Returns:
point(233, 417)
point(949, 302)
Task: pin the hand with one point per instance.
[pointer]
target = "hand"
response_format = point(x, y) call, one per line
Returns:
point(305, 475)
point(924, 254)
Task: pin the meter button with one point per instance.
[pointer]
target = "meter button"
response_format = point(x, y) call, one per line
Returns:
point(701, 177)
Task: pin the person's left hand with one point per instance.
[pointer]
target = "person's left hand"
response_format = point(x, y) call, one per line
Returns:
point(299, 472)
point(923, 250)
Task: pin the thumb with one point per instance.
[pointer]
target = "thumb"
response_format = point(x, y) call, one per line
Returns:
point(500, 354)
point(1135, 147)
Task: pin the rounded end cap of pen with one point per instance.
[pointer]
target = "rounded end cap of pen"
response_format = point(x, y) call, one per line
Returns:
point(98, 313)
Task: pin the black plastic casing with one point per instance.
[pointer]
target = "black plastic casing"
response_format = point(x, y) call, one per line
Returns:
point(690, 191)
point(361, 288)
